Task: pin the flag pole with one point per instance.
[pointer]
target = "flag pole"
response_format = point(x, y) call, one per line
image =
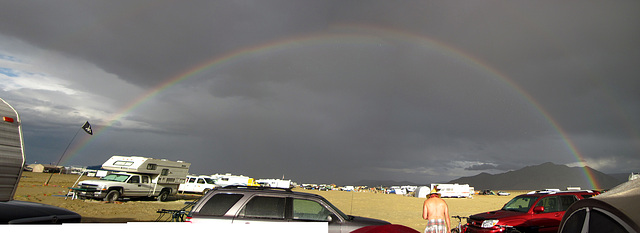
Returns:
point(87, 128)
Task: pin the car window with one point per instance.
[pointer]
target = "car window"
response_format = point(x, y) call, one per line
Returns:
point(219, 204)
point(550, 204)
point(309, 210)
point(200, 181)
point(192, 180)
point(587, 195)
point(134, 180)
point(145, 179)
point(566, 201)
point(264, 207)
point(520, 203)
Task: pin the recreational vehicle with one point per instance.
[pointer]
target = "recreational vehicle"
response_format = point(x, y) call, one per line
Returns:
point(11, 164)
point(452, 190)
point(227, 180)
point(136, 176)
point(275, 183)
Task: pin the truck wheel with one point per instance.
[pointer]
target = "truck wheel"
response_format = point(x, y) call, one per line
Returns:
point(205, 191)
point(112, 196)
point(164, 195)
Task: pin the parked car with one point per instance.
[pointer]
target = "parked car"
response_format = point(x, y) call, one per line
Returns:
point(501, 193)
point(616, 210)
point(249, 204)
point(538, 211)
point(24, 212)
point(486, 192)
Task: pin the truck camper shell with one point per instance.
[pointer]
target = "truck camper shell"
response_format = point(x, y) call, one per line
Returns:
point(163, 171)
point(11, 151)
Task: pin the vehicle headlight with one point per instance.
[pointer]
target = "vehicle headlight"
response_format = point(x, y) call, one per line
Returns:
point(489, 223)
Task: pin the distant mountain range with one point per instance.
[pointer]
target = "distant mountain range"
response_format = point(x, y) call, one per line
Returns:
point(543, 176)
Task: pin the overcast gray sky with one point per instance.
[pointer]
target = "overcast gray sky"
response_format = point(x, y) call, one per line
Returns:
point(328, 91)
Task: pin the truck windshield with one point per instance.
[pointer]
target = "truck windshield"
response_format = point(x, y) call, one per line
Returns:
point(520, 203)
point(115, 177)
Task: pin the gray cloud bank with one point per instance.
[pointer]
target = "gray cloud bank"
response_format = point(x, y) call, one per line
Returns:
point(329, 91)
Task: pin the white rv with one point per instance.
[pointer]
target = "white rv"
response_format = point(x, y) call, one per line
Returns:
point(11, 163)
point(452, 190)
point(275, 183)
point(197, 184)
point(136, 176)
point(11, 151)
point(229, 179)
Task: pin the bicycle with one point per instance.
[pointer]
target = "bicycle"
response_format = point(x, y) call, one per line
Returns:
point(176, 215)
point(459, 228)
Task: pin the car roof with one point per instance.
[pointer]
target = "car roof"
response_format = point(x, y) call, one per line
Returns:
point(262, 189)
point(551, 192)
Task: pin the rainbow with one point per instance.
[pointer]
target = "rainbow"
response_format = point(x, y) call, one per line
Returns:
point(355, 34)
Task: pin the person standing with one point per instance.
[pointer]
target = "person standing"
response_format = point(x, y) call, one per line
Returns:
point(436, 212)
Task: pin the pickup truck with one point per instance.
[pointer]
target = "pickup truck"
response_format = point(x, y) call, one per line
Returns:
point(118, 185)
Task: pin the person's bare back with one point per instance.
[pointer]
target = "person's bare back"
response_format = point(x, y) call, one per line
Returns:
point(435, 208)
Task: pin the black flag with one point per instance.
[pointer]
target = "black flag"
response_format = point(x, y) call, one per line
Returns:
point(87, 128)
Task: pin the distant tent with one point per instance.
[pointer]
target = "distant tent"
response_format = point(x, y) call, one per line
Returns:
point(47, 168)
point(422, 191)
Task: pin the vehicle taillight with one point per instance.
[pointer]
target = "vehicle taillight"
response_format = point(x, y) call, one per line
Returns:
point(7, 119)
point(187, 219)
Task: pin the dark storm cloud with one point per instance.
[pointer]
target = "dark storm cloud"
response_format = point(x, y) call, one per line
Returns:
point(339, 91)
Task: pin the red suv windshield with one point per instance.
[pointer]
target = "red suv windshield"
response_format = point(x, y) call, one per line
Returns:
point(520, 203)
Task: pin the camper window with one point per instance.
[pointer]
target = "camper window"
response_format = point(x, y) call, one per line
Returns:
point(152, 166)
point(122, 163)
point(165, 172)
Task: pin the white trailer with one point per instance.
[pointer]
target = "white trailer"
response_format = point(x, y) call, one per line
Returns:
point(452, 190)
point(229, 179)
point(11, 151)
point(275, 183)
point(11, 163)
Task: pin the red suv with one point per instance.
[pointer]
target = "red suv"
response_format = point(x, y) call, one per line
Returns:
point(537, 211)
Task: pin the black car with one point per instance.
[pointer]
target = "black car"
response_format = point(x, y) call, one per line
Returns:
point(23, 212)
point(246, 205)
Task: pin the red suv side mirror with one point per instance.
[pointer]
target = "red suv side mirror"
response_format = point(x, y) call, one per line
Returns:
point(538, 209)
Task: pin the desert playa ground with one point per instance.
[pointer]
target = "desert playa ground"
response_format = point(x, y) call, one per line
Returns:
point(396, 209)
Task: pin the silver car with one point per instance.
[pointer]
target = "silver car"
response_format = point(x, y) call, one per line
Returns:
point(246, 205)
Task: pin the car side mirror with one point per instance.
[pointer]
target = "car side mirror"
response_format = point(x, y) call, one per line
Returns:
point(329, 218)
point(538, 209)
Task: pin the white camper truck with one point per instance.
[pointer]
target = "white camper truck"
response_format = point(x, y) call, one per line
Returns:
point(136, 177)
point(11, 163)
point(452, 190)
